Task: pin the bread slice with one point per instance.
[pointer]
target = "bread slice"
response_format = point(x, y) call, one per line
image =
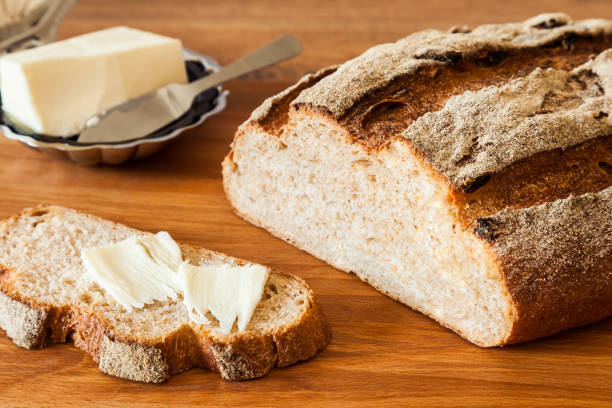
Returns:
point(464, 173)
point(45, 297)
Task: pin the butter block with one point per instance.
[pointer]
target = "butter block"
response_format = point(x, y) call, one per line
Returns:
point(228, 292)
point(56, 88)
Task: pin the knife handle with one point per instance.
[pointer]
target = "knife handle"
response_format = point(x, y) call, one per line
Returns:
point(285, 47)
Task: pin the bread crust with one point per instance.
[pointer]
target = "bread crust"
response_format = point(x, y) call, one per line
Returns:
point(556, 260)
point(25, 325)
point(236, 356)
point(379, 67)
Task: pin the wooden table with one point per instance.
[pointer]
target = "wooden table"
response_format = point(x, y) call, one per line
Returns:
point(382, 353)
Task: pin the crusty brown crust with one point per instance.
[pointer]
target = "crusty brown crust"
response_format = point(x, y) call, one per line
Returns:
point(23, 324)
point(135, 362)
point(272, 113)
point(481, 133)
point(236, 356)
point(542, 178)
point(556, 260)
point(380, 66)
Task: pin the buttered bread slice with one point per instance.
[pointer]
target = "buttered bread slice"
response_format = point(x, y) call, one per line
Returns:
point(464, 173)
point(47, 297)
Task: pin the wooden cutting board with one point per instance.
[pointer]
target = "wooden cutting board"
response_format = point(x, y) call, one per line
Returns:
point(382, 353)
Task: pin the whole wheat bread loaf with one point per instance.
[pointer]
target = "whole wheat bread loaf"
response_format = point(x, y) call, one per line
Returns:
point(46, 297)
point(464, 173)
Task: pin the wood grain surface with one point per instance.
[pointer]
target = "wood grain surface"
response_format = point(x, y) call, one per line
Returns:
point(382, 353)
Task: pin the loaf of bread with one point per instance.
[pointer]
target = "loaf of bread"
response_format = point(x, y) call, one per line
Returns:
point(46, 297)
point(465, 173)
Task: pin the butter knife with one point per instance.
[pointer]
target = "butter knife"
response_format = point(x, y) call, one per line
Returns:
point(141, 116)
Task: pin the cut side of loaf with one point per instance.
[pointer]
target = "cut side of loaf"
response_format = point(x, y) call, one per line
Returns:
point(466, 174)
point(46, 297)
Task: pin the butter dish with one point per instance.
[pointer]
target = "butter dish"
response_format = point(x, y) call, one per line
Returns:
point(205, 105)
